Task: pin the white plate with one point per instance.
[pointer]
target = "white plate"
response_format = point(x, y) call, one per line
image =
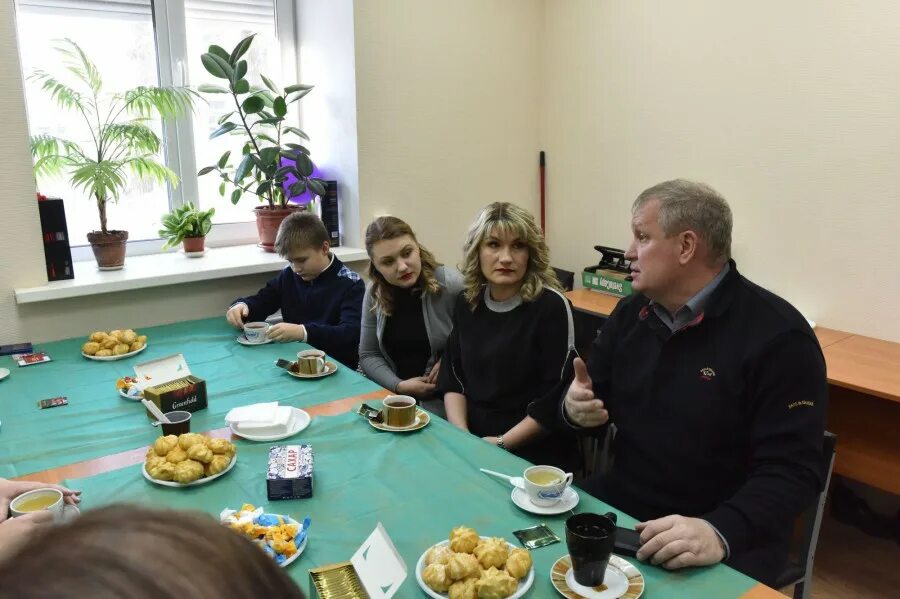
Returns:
point(299, 421)
point(114, 358)
point(244, 341)
point(621, 581)
point(330, 368)
point(300, 549)
point(202, 481)
point(129, 397)
point(4, 372)
point(567, 502)
point(422, 420)
point(524, 584)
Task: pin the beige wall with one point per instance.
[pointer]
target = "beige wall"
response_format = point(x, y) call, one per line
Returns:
point(790, 109)
point(448, 111)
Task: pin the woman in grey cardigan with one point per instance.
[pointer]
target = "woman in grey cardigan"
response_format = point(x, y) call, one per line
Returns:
point(407, 310)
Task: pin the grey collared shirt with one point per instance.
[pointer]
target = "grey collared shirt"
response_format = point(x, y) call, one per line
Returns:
point(693, 307)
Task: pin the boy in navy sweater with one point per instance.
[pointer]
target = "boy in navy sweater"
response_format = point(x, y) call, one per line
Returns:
point(320, 298)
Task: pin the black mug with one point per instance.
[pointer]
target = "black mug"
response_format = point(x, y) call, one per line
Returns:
point(590, 539)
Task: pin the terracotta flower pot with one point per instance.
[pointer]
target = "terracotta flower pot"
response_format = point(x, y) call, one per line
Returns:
point(193, 244)
point(109, 248)
point(267, 222)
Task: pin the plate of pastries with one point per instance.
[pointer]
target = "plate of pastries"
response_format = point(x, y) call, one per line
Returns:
point(113, 345)
point(469, 566)
point(188, 460)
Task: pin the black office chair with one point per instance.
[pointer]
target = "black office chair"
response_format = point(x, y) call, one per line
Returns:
point(799, 570)
point(566, 278)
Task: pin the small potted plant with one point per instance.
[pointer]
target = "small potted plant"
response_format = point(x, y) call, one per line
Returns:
point(269, 162)
point(121, 141)
point(188, 226)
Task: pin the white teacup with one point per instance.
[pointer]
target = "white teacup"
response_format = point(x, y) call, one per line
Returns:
point(545, 485)
point(37, 500)
point(255, 332)
point(311, 361)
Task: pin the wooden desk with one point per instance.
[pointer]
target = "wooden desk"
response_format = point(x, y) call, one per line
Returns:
point(864, 409)
point(592, 302)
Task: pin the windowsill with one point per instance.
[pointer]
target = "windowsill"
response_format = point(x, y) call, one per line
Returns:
point(172, 268)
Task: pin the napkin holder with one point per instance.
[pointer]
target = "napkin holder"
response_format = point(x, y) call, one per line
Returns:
point(375, 571)
point(171, 385)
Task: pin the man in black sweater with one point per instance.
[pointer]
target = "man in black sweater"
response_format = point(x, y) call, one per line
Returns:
point(717, 389)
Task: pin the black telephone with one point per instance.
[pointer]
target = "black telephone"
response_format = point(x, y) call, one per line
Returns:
point(628, 541)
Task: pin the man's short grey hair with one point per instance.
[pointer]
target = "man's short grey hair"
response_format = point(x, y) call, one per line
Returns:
point(687, 205)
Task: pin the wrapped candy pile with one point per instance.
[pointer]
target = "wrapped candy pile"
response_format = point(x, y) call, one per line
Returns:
point(275, 534)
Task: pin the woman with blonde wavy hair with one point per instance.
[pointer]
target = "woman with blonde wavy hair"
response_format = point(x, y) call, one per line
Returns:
point(512, 339)
point(407, 311)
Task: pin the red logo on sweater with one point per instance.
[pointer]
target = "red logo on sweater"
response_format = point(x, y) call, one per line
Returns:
point(707, 373)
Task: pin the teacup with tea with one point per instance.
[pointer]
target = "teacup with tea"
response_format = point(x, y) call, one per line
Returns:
point(37, 500)
point(311, 361)
point(399, 410)
point(545, 485)
point(255, 332)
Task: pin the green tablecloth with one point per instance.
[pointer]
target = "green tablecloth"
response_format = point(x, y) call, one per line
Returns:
point(419, 485)
point(99, 422)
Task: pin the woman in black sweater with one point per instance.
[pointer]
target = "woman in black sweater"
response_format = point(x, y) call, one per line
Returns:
point(512, 338)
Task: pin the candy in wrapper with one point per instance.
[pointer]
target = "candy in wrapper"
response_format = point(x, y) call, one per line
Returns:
point(290, 472)
point(536, 536)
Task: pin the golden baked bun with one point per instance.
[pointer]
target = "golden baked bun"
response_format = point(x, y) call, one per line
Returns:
point(176, 456)
point(97, 336)
point(436, 577)
point(128, 337)
point(164, 445)
point(104, 352)
point(495, 584)
point(217, 445)
point(463, 565)
point(188, 439)
point(463, 539)
point(492, 552)
point(463, 589)
point(136, 346)
point(217, 464)
point(188, 471)
point(90, 348)
point(153, 461)
point(439, 554)
point(518, 564)
point(163, 471)
point(109, 343)
point(142, 338)
point(200, 453)
point(120, 349)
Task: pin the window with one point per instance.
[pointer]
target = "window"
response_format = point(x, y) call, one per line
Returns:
point(147, 42)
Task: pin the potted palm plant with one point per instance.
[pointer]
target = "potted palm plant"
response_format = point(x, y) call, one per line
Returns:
point(188, 226)
point(274, 165)
point(121, 140)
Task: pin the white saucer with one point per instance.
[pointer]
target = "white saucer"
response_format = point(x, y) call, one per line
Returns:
point(193, 254)
point(567, 502)
point(244, 341)
point(621, 581)
point(299, 421)
point(4, 372)
point(614, 580)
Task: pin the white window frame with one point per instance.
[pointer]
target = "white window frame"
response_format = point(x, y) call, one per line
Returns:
point(178, 138)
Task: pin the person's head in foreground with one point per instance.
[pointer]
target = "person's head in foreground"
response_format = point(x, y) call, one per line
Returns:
point(136, 552)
